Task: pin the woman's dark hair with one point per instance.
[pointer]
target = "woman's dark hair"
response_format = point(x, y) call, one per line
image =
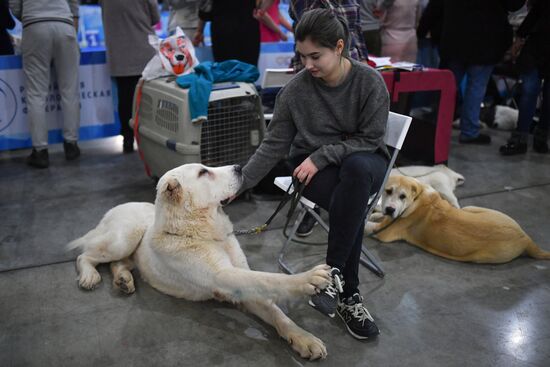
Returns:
point(323, 27)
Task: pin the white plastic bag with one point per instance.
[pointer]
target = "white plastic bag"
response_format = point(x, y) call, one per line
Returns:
point(175, 56)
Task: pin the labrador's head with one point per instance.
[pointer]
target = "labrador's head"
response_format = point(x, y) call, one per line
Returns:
point(400, 193)
point(195, 186)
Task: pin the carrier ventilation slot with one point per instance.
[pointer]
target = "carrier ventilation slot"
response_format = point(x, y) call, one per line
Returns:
point(146, 107)
point(167, 115)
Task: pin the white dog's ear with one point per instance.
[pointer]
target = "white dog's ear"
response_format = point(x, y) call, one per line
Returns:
point(173, 190)
point(154, 41)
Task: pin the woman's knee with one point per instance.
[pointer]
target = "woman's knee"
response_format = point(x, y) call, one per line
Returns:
point(363, 167)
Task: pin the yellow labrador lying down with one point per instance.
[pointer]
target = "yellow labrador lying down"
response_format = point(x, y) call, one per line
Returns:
point(421, 217)
point(184, 247)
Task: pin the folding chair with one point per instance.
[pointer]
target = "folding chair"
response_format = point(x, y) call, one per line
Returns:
point(272, 81)
point(396, 131)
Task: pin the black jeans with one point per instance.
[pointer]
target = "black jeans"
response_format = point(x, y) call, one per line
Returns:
point(126, 86)
point(344, 192)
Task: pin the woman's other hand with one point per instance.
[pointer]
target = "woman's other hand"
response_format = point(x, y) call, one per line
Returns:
point(305, 171)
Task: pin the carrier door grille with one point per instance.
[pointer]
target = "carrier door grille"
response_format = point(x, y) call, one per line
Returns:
point(232, 132)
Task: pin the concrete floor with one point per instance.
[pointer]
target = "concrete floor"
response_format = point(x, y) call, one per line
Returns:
point(431, 311)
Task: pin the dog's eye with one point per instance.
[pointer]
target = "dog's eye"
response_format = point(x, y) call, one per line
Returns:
point(402, 196)
point(203, 172)
point(388, 192)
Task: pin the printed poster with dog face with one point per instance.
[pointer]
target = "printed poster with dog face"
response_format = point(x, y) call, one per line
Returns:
point(97, 114)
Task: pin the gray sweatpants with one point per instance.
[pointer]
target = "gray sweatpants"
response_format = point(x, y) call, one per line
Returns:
point(43, 43)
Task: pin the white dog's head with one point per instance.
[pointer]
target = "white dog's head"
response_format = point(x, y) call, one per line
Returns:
point(399, 193)
point(195, 186)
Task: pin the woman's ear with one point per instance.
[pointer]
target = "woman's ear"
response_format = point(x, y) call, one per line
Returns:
point(340, 46)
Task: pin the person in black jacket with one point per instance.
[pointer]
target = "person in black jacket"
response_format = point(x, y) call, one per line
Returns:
point(6, 22)
point(235, 32)
point(474, 37)
point(533, 48)
point(429, 28)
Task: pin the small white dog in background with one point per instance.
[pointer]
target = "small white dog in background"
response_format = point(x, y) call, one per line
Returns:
point(497, 117)
point(443, 179)
point(506, 118)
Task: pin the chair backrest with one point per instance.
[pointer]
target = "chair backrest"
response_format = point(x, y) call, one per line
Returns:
point(276, 78)
point(396, 130)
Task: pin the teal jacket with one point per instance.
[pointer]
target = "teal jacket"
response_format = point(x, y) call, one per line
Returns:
point(208, 72)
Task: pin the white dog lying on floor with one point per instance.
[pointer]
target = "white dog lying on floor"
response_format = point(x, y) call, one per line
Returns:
point(184, 246)
point(443, 179)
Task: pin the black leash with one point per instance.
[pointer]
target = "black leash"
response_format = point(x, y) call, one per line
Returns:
point(292, 197)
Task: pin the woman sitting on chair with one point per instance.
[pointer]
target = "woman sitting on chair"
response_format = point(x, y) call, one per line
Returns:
point(331, 118)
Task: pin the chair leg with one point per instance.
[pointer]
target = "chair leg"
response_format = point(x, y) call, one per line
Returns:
point(284, 267)
point(368, 260)
point(371, 263)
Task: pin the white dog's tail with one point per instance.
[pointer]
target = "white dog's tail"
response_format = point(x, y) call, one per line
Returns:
point(92, 237)
point(536, 252)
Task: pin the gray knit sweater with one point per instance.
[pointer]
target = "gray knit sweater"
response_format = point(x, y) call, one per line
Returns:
point(327, 123)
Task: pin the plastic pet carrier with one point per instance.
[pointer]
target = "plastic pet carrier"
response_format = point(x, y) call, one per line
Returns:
point(234, 129)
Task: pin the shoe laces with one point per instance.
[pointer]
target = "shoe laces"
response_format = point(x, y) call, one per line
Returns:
point(359, 311)
point(336, 286)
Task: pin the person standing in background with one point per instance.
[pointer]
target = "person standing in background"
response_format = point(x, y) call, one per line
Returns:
point(398, 31)
point(370, 13)
point(183, 14)
point(531, 49)
point(474, 37)
point(270, 21)
point(127, 25)
point(6, 22)
point(50, 35)
point(234, 30)
point(347, 9)
point(428, 33)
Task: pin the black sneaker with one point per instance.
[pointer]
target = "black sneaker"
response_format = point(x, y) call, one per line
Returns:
point(357, 318)
point(481, 139)
point(72, 151)
point(326, 300)
point(513, 148)
point(306, 226)
point(39, 158)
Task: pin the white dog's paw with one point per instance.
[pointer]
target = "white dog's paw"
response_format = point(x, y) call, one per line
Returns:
point(89, 279)
point(306, 344)
point(315, 279)
point(370, 227)
point(124, 282)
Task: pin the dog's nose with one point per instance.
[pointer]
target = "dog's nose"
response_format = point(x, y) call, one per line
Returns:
point(238, 169)
point(389, 210)
point(180, 57)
